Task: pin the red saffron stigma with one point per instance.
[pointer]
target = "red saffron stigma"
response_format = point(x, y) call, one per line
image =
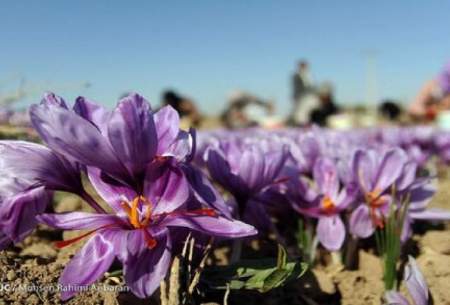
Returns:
point(64, 243)
point(151, 242)
point(203, 212)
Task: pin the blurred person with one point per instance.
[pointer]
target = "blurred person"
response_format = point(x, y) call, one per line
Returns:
point(433, 97)
point(245, 110)
point(390, 110)
point(184, 106)
point(327, 106)
point(304, 94)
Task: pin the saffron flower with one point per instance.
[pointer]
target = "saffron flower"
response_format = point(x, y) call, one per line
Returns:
point(376, 172)
point(29, 173)
point(419, 192)
point(325, 200)
point(416, 284)
point(140, 232)
point(246, 171)
point(121, 143)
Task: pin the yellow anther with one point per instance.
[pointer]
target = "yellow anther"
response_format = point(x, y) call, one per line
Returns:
point(328, 204)
point(133, 211)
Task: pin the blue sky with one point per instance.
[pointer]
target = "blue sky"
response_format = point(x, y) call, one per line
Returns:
point(206, 49)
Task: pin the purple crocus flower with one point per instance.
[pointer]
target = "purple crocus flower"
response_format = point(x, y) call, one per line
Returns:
point(417, 287)
point(419, 191)
point(375, 172)
point(246, 171)
point(325, 201)
point(121, 143)
point(140, 232)
point(29, 172)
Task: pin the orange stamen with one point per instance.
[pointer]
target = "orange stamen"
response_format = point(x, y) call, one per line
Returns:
point(328, 205)
point(133, 212)
point(134, 215)
point(375, 201)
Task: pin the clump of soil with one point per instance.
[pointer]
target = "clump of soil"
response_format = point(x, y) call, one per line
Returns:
point(363, 286)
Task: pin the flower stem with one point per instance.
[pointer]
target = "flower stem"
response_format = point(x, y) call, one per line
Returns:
point(91, 201)
point(351, 253)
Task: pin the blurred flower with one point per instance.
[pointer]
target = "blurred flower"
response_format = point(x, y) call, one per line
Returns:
point(28, 173)
point(417, 287)
point(245, 171)
point(376, 172)
point(324, 200)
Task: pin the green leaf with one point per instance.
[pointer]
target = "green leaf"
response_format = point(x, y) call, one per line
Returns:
point(262, 275)
point(282, 257)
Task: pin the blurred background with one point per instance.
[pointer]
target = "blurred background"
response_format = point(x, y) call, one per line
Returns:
point(232, 63)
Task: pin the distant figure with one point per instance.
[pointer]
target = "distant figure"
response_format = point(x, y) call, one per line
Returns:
point(433, 97)
point(303, 94)
point(327, 106)
point(245, 110)
point(184, 106)
point(390, 110)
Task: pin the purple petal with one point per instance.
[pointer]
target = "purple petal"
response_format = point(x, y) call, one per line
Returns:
point(166, 187)
point(145, 271)
point(326, 176)
point(182, 147)
point(274, 163)
point(390, 169)
point(256, 214)
point(112, 192)
point(220, 171)
point(78, 220)
point(52, 99)
point(360, 222)
point(420, 197)
point(406, 229)
point(35, 164)
point(331, 232)
point(204, 191)
point(94, 259)
point(69, 134)
point(132, 132)
point(346, 197)
point(415, 282)
point(216, 226)
point(408, 176)
point(364, 169)
point(395, 298)
point(167, 123)
point(431, 214)
point(18, 213)
point(127, 243)
point(251, 168)
point(92, 112)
